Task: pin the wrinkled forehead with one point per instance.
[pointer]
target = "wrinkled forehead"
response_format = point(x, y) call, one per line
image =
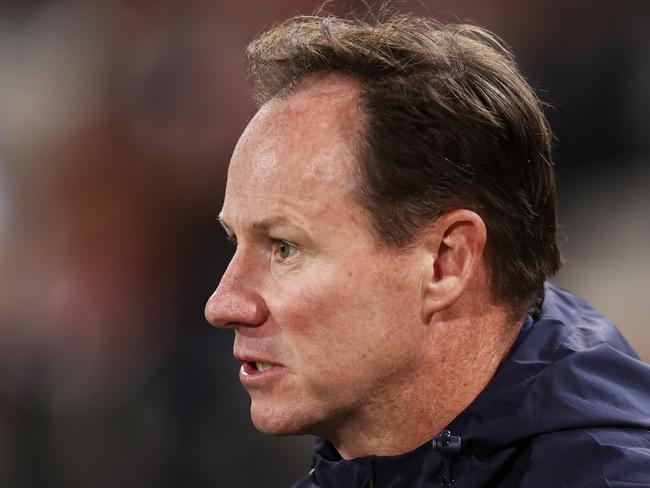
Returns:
point(306, 140)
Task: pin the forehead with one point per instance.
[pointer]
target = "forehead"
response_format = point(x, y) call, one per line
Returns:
point(298, 149)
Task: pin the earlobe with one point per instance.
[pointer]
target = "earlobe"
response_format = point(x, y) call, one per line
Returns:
point(456, 244)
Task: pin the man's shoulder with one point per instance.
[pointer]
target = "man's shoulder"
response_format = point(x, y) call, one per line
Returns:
point(586, 457)
point(576, 325)
point(572, 370)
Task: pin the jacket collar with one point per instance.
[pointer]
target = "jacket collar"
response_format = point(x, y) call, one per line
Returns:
point(331, 471)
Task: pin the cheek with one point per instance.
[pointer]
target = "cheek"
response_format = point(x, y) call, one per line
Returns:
point(340, 323)
point(316, 309)
point(318, 316)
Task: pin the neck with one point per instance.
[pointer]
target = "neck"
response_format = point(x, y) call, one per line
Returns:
point(463, 356)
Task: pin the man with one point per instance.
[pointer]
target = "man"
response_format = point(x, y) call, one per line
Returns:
point(393, 205)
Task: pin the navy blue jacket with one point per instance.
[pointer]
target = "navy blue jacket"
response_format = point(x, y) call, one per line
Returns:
point(570, 407)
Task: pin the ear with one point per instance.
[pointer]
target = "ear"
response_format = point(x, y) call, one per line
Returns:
point(455, 242)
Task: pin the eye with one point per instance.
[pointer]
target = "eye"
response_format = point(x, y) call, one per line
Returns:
point(284, 250)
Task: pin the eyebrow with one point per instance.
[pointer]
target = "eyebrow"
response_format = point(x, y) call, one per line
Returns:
point(264, 225)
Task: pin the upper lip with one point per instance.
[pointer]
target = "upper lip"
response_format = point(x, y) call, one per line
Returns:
point(246, 357)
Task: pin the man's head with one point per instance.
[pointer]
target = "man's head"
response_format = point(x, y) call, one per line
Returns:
point(364, 197)
point(450, 123)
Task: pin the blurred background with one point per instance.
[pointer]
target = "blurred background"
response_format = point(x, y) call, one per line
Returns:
point(117, 121)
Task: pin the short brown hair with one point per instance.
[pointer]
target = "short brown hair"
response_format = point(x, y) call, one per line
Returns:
point(451, 123)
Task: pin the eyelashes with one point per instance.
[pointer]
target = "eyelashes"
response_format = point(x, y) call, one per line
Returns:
point(281, 250)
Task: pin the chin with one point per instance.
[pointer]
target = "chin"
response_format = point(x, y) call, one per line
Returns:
point(275, 420)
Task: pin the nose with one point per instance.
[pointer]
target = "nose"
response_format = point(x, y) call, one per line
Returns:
point(235, 302)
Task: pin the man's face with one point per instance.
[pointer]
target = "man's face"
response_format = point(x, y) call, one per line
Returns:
point(309, 292)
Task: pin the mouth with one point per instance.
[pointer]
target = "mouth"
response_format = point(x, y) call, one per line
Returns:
point(256, 367)
point(260, 374)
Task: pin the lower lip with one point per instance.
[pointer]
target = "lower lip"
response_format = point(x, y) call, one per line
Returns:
point(249, 376)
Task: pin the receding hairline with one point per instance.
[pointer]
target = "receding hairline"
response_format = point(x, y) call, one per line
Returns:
point(332, 85)
point(281, 57)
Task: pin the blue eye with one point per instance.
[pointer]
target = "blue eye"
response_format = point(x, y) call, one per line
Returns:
point(285, 250)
